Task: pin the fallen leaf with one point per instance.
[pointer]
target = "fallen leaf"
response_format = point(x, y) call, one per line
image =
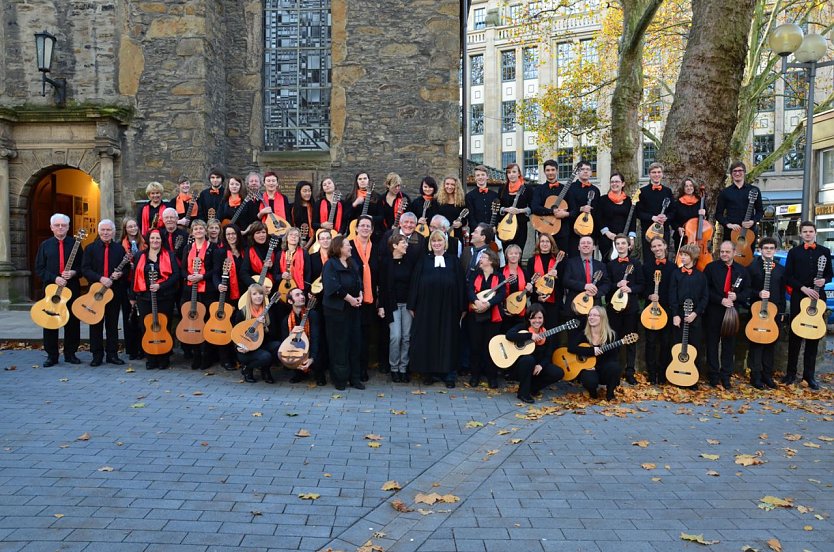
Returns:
point(809, 444)
point(380, 395)
point(84, 437)
point(129, 370)
point(771, 502)
point(648, 466)
point(449, 498)
point(698, 538)
point(291, 414)
point(418, 392)
point(641, 444)
point(793, 436)
point(748, 460)
point(808, 528)
point(308, 496)
point(378, 535)
point(105, 469)
point(710, 456)
point(255, 513)
point(373, 437)
point(257, 414)
point(204, 444)
point(490, 453)
point(400, 506)
point(13, 368)
point(63, 380)
point(504, 432)
point(302, 433)
point(327, 475)
point(374, 444)
point(138, 405)
point(775, 545)
point(789, 452)
point(473, 423)
point(425, 512)
point(427, 498)
point(516, 441)
point(656, 479)
point(819, 517)
point(713, 442)
point(335, 396)
point(804, 509)
point(713, 473)
point(59, 516)
point(370, 547)
point(825, 438)
point(762, 435)
point(398, 412)
point(435, 485)
point(197, 393)
point(391, 486)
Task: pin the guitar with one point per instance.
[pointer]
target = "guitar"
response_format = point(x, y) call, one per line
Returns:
point(730, 323)
point(261, 280)
point(505, 353)
point(488, 294)
point(762, 326)
point(190, 211)
point(572, 364)
point(656, 229)
point(583, 303)
point(619, 301)
point(286, 286)
point(508, 226)
point(496, 245)
point(635, 198)
point(653, 316)
point(305, 235)
point(51, 312)
point(239, 210)
point(549, 224)
point(810, 322)
point(334, 205)
point(366, 203)
point(682, 370)
point(249, 333)
point(89, 308)
point(295, 349)
point(516, 302)
point(546, 284)
point(212, 214)
point(423, 227)
point(399, 212)
point(190, 328)
point(744, 238)
point(156, 340)
point(584, 223)
point(218, 328)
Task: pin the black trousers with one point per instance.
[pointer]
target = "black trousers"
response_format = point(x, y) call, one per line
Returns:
point(164, 305)
point(72, 335)
point(809, 358)
point(696, 341)
point(344, 336)
point(607, 374)
point(658, 353)
point(625, 323)
point(528, 384)
point(110, 324)
point(480, 363)
point(760, 360)
point(724, 370)
point(132, 330)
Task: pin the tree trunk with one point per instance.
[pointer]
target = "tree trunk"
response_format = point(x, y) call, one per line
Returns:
point(628, 92)
point(696, 140)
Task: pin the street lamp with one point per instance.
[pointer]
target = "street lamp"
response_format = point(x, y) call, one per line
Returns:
point(44, 46)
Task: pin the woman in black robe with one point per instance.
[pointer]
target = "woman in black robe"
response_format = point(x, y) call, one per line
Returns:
point(437, 301)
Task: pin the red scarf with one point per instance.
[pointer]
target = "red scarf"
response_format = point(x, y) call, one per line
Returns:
point(146, 219)
point(182, 202)
point(324, 213)
point(396, 207)
point(297, 268)
point(520, 284)
point(234, 287)
point(277, 204)
point(257, 264)
point(480, 285)
point(364, 252)
point(194, 253)
point(533, 331)
point(292, 321)
point(538, 268)
point(164, 263)
point(234, 200)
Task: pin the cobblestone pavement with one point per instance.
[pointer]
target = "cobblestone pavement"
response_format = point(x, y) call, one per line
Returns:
point(111, 459)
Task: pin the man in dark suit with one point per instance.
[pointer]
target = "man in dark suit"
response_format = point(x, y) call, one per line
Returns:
point(579, 271)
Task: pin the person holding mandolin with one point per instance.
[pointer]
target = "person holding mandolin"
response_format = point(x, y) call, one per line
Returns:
point(234, 204)
point(451, 202)
point(579, 205)
point(579, 275)
point(425, 206)
point(808, 269)
point(272, 201)
point(302, 209)
point(615, 211)
point(101, 259)
point(544, 264)
point(231, 249)
point(622, 300)
point(536, 371)
point(484, 317)
point(551, 187)
point(292, 324)
point(260, 358)
point(329, 200)
point(738, 209)
point(515, 200)
point(767, 282)
point(729, 286)
point(688, 283)
point(655, 220)
point(519, 285)
point(51, 267)
point(657, 270)
point(394, 202)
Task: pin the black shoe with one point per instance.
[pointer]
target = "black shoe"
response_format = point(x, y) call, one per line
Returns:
point(450, 384)
point(609, 395)
point(140, 355)
point(95, 362)
point(358, 385)
point(132, 356)
point(266, 374)
point(757, 384)
point(50, 361)
point(812, 383)
point(630, 379)
point(164, 365)
point(72, 359)
point(115, 360)
point(298, 377)
point(788, 379)
point(195, 364)
point(770, 383)
point(150, 365)
point(493, 383)
point(406, 378)
point(526, 399)
point(474, 381)
point(364, 376)
point(321, 382)
point(396, 377)
point(228, 366)
point(726, 384)
point(713, 384)
point(693, 387)
point(593, 393)
point(429, 380)
point(247, 377)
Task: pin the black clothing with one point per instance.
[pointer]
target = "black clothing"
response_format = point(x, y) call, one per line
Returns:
point(207, 200)
point(451, 212)
point(417, 247)
point(174, 241)
point(577, 197)
point(684, 213)
point(248, 213)
point(93, 270)
point(626, 321)
point(529, 384)
point(732, 205)
point(343, 207)
point(416, 207)
point(394, 284)
point(480, 206)
point(650, 205)
point(607, 370)
point(657, 342)
point(687, 286)
point(387, 211)
point(612, 218)
point(716, 274)
point(339, 281)
point(47, 267)
point(152, 212)
point(507, 199)
point(574, 279)
point(540, 195)
point(314, 337)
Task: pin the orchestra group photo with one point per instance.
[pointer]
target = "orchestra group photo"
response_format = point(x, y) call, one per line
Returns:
point(510, 285)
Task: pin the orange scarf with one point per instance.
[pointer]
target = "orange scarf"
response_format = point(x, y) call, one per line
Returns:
point(365, 255)
point(689, 200)
point(234, 200)
point(182, 202)
point(515, 186)
point(292, 322)
point(255, 312)
point(617, 198)
point(533, 331)
point(297, 267)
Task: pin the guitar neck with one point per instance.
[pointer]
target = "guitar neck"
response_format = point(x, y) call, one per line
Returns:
point(557, 329)
point(748, 214)
point(121, 266)
point(239, 209)
point(221, 299)
point(685, 337)
point(561, 197)
point(613, 345)
point(767, 287)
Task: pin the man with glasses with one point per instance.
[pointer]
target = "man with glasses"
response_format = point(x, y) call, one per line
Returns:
point(760, 355)
point(731, 208)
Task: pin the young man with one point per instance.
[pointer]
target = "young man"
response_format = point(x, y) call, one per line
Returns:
point(801, 268)
point(551, 188)
point(688, 283)
point(652, 196)
point(733, 201)
point(625, 321)
point(211, 197)
point(577, 198)
point(760, 356)
point(479, 201)
point(291, 322)
point(658, 346)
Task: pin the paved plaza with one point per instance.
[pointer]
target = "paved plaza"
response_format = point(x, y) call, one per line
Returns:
point(121, 458)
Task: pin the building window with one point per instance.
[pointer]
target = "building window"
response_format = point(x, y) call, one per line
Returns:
point(763, 145)
point(476, 123)
point(531, 164)
point(767, 100)
point(507, 157)
point(508, 116)
point(564, 157)
point(512, 14)
point(794, 159)
point(649, 156)
point(564, 57)
point(796, 90)
point(297, 69)
point(530, 60)
point(508, 65)
point(479, 17)
point(476, 70)
point(588, 52)
point(589, 155)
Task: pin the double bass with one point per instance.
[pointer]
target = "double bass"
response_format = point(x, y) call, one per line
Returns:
point(699, 231)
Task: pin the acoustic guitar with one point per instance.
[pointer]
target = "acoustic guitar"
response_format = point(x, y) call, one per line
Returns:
point(261, 279)
point(193, 312)
point(583, 303)
point(619, 301)
point(218, 328)
point(654, 316)
point(762, 327)
point(423, 227)
point(505, 353)
point(190, 211)
point(496, 245)
point(682, 370)
point(508, 227)
point(89, 308)
point(463, 214)
point(51, 312)
point(295, 349)
point(730, 322)
point(656, 230)
point(156, 340)
point(744, 238)
point(549, 224)
point(250, 333)
point(399, 212)
point(810, 322)
point(366, 203)
point(239, 210)
point(488, 294)
point(635, 198)
point(572, 364)
point(286, 286)
point(584, 223)
point(546, 284)
point(331, 218)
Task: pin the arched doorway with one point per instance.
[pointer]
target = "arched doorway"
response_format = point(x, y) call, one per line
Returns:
point(64, 190)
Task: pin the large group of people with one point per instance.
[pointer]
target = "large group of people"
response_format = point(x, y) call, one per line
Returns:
point(423, 285)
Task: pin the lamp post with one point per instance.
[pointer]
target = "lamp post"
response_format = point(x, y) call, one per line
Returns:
point(44, 46)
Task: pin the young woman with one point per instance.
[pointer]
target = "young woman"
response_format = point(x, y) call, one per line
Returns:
point(627, 320)
point(587, 343)
point(367, 260)
point(688, 283)
point(325, 205)
point(513, 268)
point(294, 263)
point(133, 242)
point(181, 203)
point(231, 248)
point(484, 319)
point(302, 209)
point(317, 262)
point(392, 202)
point(261, 357)
point(428, 189)
point(543, 263)
point(232, 199)
point(687, 206)
point(536, 371)
point(255, 258)
point(202, 249)
point(612, 212)
point(394, 282)
point(450, 202)
point(509, 191)
point(356, 201)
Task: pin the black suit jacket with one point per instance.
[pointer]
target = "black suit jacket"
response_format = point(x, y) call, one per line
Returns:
point(48, 259)
point(574, 278)
point(92, 266)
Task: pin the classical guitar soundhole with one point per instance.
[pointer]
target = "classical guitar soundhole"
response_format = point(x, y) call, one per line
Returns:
point(683, 357)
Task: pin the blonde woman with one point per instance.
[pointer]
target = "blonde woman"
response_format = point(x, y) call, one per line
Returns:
point(588, 343)
point(149, 215)
point(451, 201)
point(261, 357)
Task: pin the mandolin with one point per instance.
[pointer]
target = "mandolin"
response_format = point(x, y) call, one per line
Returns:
point(508, 227)
point(635, 198)
point(190, 328)
point(218, 328)
point(250, 333)
point(583, 303)
point(51, 312)
point(488, 294)
point(572, 364)
point(619, 301)
point(745, 238)
point(463, 214)
point(423, 227)
point(653, 316)
point(366, 203)
point(809, 323)
point(286, 286)
point(730, 323)
point(305, 235)
point(549, 224)
point(656, 230)
point(295, 349)
point(546, 284)
point(584, 223)
point(505, 353)
point(682, 370)
point(156, 340)
point(762, 327)
point(261, 279)
point(89, 308)
point(334, 205)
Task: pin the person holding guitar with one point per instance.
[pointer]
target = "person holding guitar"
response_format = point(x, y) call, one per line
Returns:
point(425, 206)
point(484, 318)
point(479, 201)
point(256, 256)
point(734, 205)
point(293, 268)
point(394, 282)
point(174, 237)
point(588, 343)
point(211, 197)
point(627, 285)
point(515, 200)
point(391, 204)
point(336, 222)
point(579, 205)
point(551, 187)
point(722, 276)
point(317, 262)
point(273, 201)
point(234, 204)
point(767, 283)
point(688, 283)
point(361, 195)
point(544, 265)
point(650, 211)
point(51, 268)
point(536, 371)
point(367, 259)
point(250, 213)
point(806, 279)
point(292, 324)
point(201, 248)
point(149, 215)
point(451, 202)
point(159, 260)
point(260, 358)
point(613, 210)
point(659, 271)
point(101, 258)
point(578, 275)
point(302, 209)
point(184, 202)
point(134, 242)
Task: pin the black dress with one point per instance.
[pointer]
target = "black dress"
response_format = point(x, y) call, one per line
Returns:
point(437, 299)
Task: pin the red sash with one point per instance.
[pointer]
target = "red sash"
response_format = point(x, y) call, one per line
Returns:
point(146, 219)
point(324, 213)
point(164, 271)
point(521, 283)
point(480, 285)
point(297, 268)
point(201, 254)
point(234, 287)
point(257, 264)
point(538, 268)
point(277, 204)
point(292, 322)
point(182, 203)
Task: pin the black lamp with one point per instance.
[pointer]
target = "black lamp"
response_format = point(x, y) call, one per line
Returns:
point(44, 46)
